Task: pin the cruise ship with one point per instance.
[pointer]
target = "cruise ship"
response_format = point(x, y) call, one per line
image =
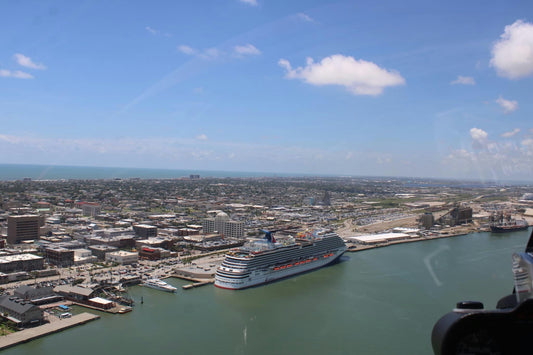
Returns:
point(159, 285)
point(268, 260)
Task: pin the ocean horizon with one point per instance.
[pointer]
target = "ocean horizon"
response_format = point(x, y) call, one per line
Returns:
point(10, 172)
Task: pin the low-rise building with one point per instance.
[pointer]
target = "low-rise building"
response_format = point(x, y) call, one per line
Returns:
point(122, 257)
point(21, 262)
point(100, 302)
point(153, 253)
point(211, 245)
point(145, 230)
point(20, 311)
point(188, 231)
point(14, 276)
point(100, 250)
point(123, 241)
point(39, 295)
point(75, 293)
point(59, 256)
point(165, 243)
point(83, 256)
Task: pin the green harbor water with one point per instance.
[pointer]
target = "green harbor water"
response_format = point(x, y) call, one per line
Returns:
point(380, 301)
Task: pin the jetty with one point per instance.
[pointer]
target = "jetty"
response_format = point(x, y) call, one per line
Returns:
point(198, 284)
point(26, 335)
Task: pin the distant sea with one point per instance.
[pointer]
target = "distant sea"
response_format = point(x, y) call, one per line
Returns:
point(10, 172)
point(57, 172)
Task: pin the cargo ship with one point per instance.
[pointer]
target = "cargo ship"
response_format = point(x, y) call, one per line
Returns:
point(503, 223)
point(267, 260)
point(514, 225)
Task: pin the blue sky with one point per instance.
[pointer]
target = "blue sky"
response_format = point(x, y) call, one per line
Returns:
point(415, 88)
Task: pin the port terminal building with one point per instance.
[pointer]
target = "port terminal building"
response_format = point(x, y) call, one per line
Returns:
point(382, 238)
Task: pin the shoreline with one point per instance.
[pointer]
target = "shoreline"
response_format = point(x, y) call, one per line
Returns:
point(30, 334)
point(353, 247)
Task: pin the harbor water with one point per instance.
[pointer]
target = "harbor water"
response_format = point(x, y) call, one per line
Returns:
point(379, 301)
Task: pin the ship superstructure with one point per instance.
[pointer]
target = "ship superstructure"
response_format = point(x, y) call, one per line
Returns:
point(267, 260)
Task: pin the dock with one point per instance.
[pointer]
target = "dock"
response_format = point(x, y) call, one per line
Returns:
point(118, 309)
point(198, 284)
point(352, 247)
point(29, 334)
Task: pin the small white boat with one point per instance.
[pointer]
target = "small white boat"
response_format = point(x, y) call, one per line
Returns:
point(159, 285)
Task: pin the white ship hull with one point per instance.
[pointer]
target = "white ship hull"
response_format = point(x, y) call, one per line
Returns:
point(273, 273)
point(160, 285)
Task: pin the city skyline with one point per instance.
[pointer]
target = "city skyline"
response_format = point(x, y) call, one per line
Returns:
point(430, 90)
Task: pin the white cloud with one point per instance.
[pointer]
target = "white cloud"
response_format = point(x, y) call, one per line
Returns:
point(238, 51)
point(155, 32)
point(358, 76)
point(304, 17)
point(201, 137)
point(151, 30)
point(461, 154)
point(27, 62)
point(464, 80)
point(250, 2)
point(15, 74)
point(479, 138)
point(511, 133)
point(11, 139)
point(186, 49)
point(528, 142)
point(209, 53)
point(247, 49)
point(507, 105)
point(491, 159)
point(383, 160)
point(512, 54)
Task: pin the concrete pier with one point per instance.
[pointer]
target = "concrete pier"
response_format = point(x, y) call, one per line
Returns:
point(26, 335)
point(198, 284)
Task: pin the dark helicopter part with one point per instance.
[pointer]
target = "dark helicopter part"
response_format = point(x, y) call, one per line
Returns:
point(470, 329)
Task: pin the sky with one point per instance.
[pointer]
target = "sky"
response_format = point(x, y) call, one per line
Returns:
point(380, 88)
